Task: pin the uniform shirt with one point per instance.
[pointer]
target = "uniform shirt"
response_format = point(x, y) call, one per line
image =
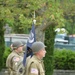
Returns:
point(35, 67)
point(22, 68)
point(13, 61)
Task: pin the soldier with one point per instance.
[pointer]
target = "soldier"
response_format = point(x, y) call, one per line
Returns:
point(21, 67)
point(24, 47)
point(14, 58)
point(35, 65)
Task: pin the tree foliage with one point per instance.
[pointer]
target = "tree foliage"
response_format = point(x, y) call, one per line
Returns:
point(19, 13)
point(49, 41)
point(2, 46)
point(69, 15)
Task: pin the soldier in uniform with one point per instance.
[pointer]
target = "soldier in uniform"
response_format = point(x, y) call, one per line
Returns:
point(21, 67)
point(14, 58)
point(35, 65)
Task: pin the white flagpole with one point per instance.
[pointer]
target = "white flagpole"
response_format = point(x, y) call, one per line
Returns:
point(34, 21)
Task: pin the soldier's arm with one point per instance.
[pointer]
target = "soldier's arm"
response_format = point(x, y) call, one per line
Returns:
point(15, 62)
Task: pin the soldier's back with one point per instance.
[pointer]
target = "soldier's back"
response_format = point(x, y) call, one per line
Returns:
point(36, 65)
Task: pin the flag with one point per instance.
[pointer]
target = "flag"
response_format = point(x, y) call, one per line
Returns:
point(30, 41)
point(32, 37)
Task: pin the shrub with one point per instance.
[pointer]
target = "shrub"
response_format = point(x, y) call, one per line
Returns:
point(64, 59)
point(2, 43)
point(6, 53)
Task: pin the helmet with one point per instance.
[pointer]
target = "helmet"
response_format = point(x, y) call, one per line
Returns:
point(16, 44)
point(37, 46)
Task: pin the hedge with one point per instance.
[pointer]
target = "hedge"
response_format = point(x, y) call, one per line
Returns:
point(6, 53)
point(64, 59)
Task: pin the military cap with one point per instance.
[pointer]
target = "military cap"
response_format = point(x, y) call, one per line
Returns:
point(37, 46)
point(16, 44)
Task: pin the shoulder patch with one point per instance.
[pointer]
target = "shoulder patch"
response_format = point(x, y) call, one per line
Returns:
point(34, 71)
point(16, 59)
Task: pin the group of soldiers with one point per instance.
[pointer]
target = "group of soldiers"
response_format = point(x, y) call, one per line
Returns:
point(34, 64)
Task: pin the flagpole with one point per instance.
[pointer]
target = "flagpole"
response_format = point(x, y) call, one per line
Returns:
point(34, 21)
point(31, 40)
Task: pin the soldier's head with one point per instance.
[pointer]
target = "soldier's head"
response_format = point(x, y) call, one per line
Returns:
point(24, 45)
point(17, 45)
point(38, 48)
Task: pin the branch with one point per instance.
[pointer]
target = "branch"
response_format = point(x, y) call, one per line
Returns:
point(46, 25)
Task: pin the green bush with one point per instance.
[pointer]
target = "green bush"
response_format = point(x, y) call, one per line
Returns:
point(2, 42)
point(6, 53)
point(64, 59)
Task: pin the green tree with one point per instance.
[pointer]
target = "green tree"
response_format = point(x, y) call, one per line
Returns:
point(50, 35)
point(69, 15)
point(2, 45)
point(19, 13)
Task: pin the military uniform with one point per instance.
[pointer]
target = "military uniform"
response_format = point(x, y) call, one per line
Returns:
point(12, 62)
point(21, 68)
point(35, 67)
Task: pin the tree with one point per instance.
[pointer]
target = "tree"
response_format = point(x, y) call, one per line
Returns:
point(49, 41)
point(2, 46)
point(69, 15)
point(19, 13)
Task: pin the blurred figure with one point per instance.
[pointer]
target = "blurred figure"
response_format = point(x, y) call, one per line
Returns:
point(21, 67)
point(35, 65)
point(14, 57)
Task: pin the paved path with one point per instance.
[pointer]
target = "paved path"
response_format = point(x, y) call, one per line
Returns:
point(3, 72)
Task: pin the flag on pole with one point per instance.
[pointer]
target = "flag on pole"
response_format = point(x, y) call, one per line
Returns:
point(32, 37)
point(30, 41)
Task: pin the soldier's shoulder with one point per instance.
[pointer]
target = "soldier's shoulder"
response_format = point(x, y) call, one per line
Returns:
point(11, 55)
point(15, 59)
point(33, 60)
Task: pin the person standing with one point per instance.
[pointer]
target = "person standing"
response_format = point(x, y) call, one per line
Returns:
point(14, 57)
point(35, 65)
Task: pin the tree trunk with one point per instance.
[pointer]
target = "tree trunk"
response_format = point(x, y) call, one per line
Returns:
point(40, 30)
